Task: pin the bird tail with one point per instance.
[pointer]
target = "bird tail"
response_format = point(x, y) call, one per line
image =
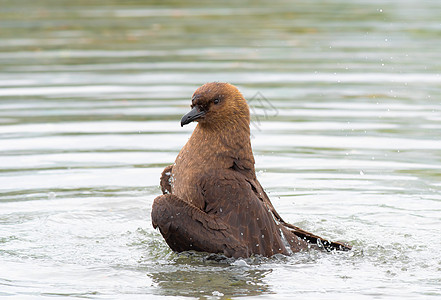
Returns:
point(315, 239)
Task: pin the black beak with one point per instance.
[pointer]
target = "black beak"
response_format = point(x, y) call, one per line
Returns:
point(191, 116)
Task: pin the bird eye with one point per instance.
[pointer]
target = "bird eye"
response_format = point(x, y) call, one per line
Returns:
point(216, 101)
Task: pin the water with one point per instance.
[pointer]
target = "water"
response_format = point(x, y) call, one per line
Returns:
point(346, 134)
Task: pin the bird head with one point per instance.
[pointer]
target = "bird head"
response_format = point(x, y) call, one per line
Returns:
point(217, 104)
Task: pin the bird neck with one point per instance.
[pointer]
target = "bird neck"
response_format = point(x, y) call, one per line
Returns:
point(227, 144)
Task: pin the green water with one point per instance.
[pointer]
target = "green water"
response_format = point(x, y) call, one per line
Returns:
point(346, 128)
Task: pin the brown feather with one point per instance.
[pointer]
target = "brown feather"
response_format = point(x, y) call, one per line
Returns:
point(165, 180)
point(212, 200)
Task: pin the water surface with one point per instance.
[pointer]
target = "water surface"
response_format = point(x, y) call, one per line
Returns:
point(346, 130)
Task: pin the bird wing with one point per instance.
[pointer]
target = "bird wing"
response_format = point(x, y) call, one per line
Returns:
point(165, 180)
point(233, 221)
point(185, 227)
point(230, 196)
point(303, 234)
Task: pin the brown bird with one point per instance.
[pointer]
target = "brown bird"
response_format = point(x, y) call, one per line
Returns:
point(212, 200)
